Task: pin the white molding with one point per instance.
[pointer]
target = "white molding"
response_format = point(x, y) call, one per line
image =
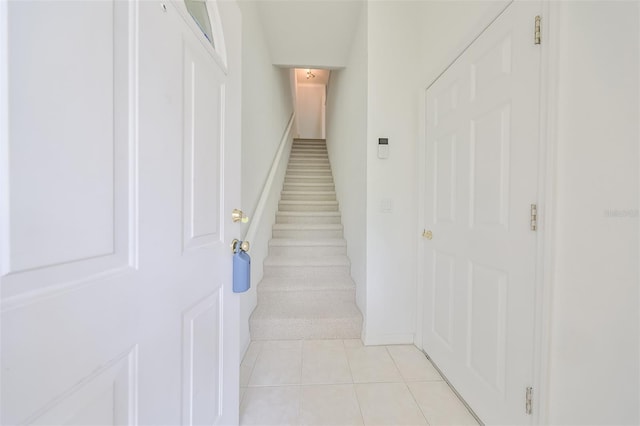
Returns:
point(4, 139)
point(59, 278)
point(213, 301)
point(219, 53)
point(422, 175)
point(547, 207)
point(97, 384)
point(20, 300)
point(134, 133)
point(492, 13)
point(256, 218)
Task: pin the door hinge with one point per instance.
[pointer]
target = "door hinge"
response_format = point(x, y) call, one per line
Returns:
point(534, 217)
point(528, 400)
point(537, 31)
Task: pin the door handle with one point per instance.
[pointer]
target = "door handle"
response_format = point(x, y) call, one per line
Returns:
point(244, 245)
point(238, 215)
point(427, 234)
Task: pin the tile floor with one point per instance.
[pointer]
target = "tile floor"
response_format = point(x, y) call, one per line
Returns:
point(342, 382)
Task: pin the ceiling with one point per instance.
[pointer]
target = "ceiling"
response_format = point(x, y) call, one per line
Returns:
point(310, 33)
point(321, 76)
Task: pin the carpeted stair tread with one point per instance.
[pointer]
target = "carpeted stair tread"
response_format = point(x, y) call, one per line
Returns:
point(307, 261)
point(306, 291)
point(309, 311)
point(341, 242)
point(315, 283)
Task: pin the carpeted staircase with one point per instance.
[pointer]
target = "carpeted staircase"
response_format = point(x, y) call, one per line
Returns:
point(306, 291)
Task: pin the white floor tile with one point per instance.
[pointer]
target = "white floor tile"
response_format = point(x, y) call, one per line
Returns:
point(248, 362)
point(329, 405)
point(372, 364)
point(343, 382)
point(353, 343)
point(279, 363)
point(270, 406)
point(388, 404)
point(324, 362)
point(252, 353)
point(412, 363)
point(245, 374)
point(440, 405)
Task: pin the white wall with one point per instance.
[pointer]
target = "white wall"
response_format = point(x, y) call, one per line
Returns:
point(594, 353)
point(266, 109)
point(393, 99)
point(309, 110)
point(347, 146)
point(310, 33)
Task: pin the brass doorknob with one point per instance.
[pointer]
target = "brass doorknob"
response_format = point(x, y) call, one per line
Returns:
point(238, 215)
point(244, 245)
point(427, 234)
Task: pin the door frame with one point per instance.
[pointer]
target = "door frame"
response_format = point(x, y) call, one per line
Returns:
point(546, 195)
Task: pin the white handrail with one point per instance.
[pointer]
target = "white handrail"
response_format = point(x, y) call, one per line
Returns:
point(266, 189)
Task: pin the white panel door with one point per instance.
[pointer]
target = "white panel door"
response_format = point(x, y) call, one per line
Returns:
point(481, 179)
point(119, 151)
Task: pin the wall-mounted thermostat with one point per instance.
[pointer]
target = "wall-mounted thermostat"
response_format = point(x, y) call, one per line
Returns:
point(383, 148)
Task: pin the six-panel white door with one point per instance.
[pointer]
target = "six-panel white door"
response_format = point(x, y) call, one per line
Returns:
point(119, 154)
point(482, 130)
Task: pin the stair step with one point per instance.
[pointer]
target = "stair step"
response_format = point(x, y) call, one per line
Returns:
point(304, 186)
point(308, 195)
point(308, 157)
point(329, 270)
point(308, 217)
point(306, 166)
point(308, 206)
point(300, 174)
point(308, 176)
point(309, 153)
point(308, 179)
point(305, 261)
point(306, 231)
point(308, 148)
point(295, 155)
point(305, 296)
point(300, 164)
point(309, 168)
point(306, 321)
point(307, 247)
point(299, 142)
point(306, 291)
point(283, 284)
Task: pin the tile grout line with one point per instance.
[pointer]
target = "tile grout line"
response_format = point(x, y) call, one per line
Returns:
point(344, 348)
point(297, 410)
point(298, 419)
point(253, 366)
point(395, 363)
point(404, 381)
point(353, 383)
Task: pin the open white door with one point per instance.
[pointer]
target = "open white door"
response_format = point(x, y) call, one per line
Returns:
point(119, 151)
point(481, 169)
